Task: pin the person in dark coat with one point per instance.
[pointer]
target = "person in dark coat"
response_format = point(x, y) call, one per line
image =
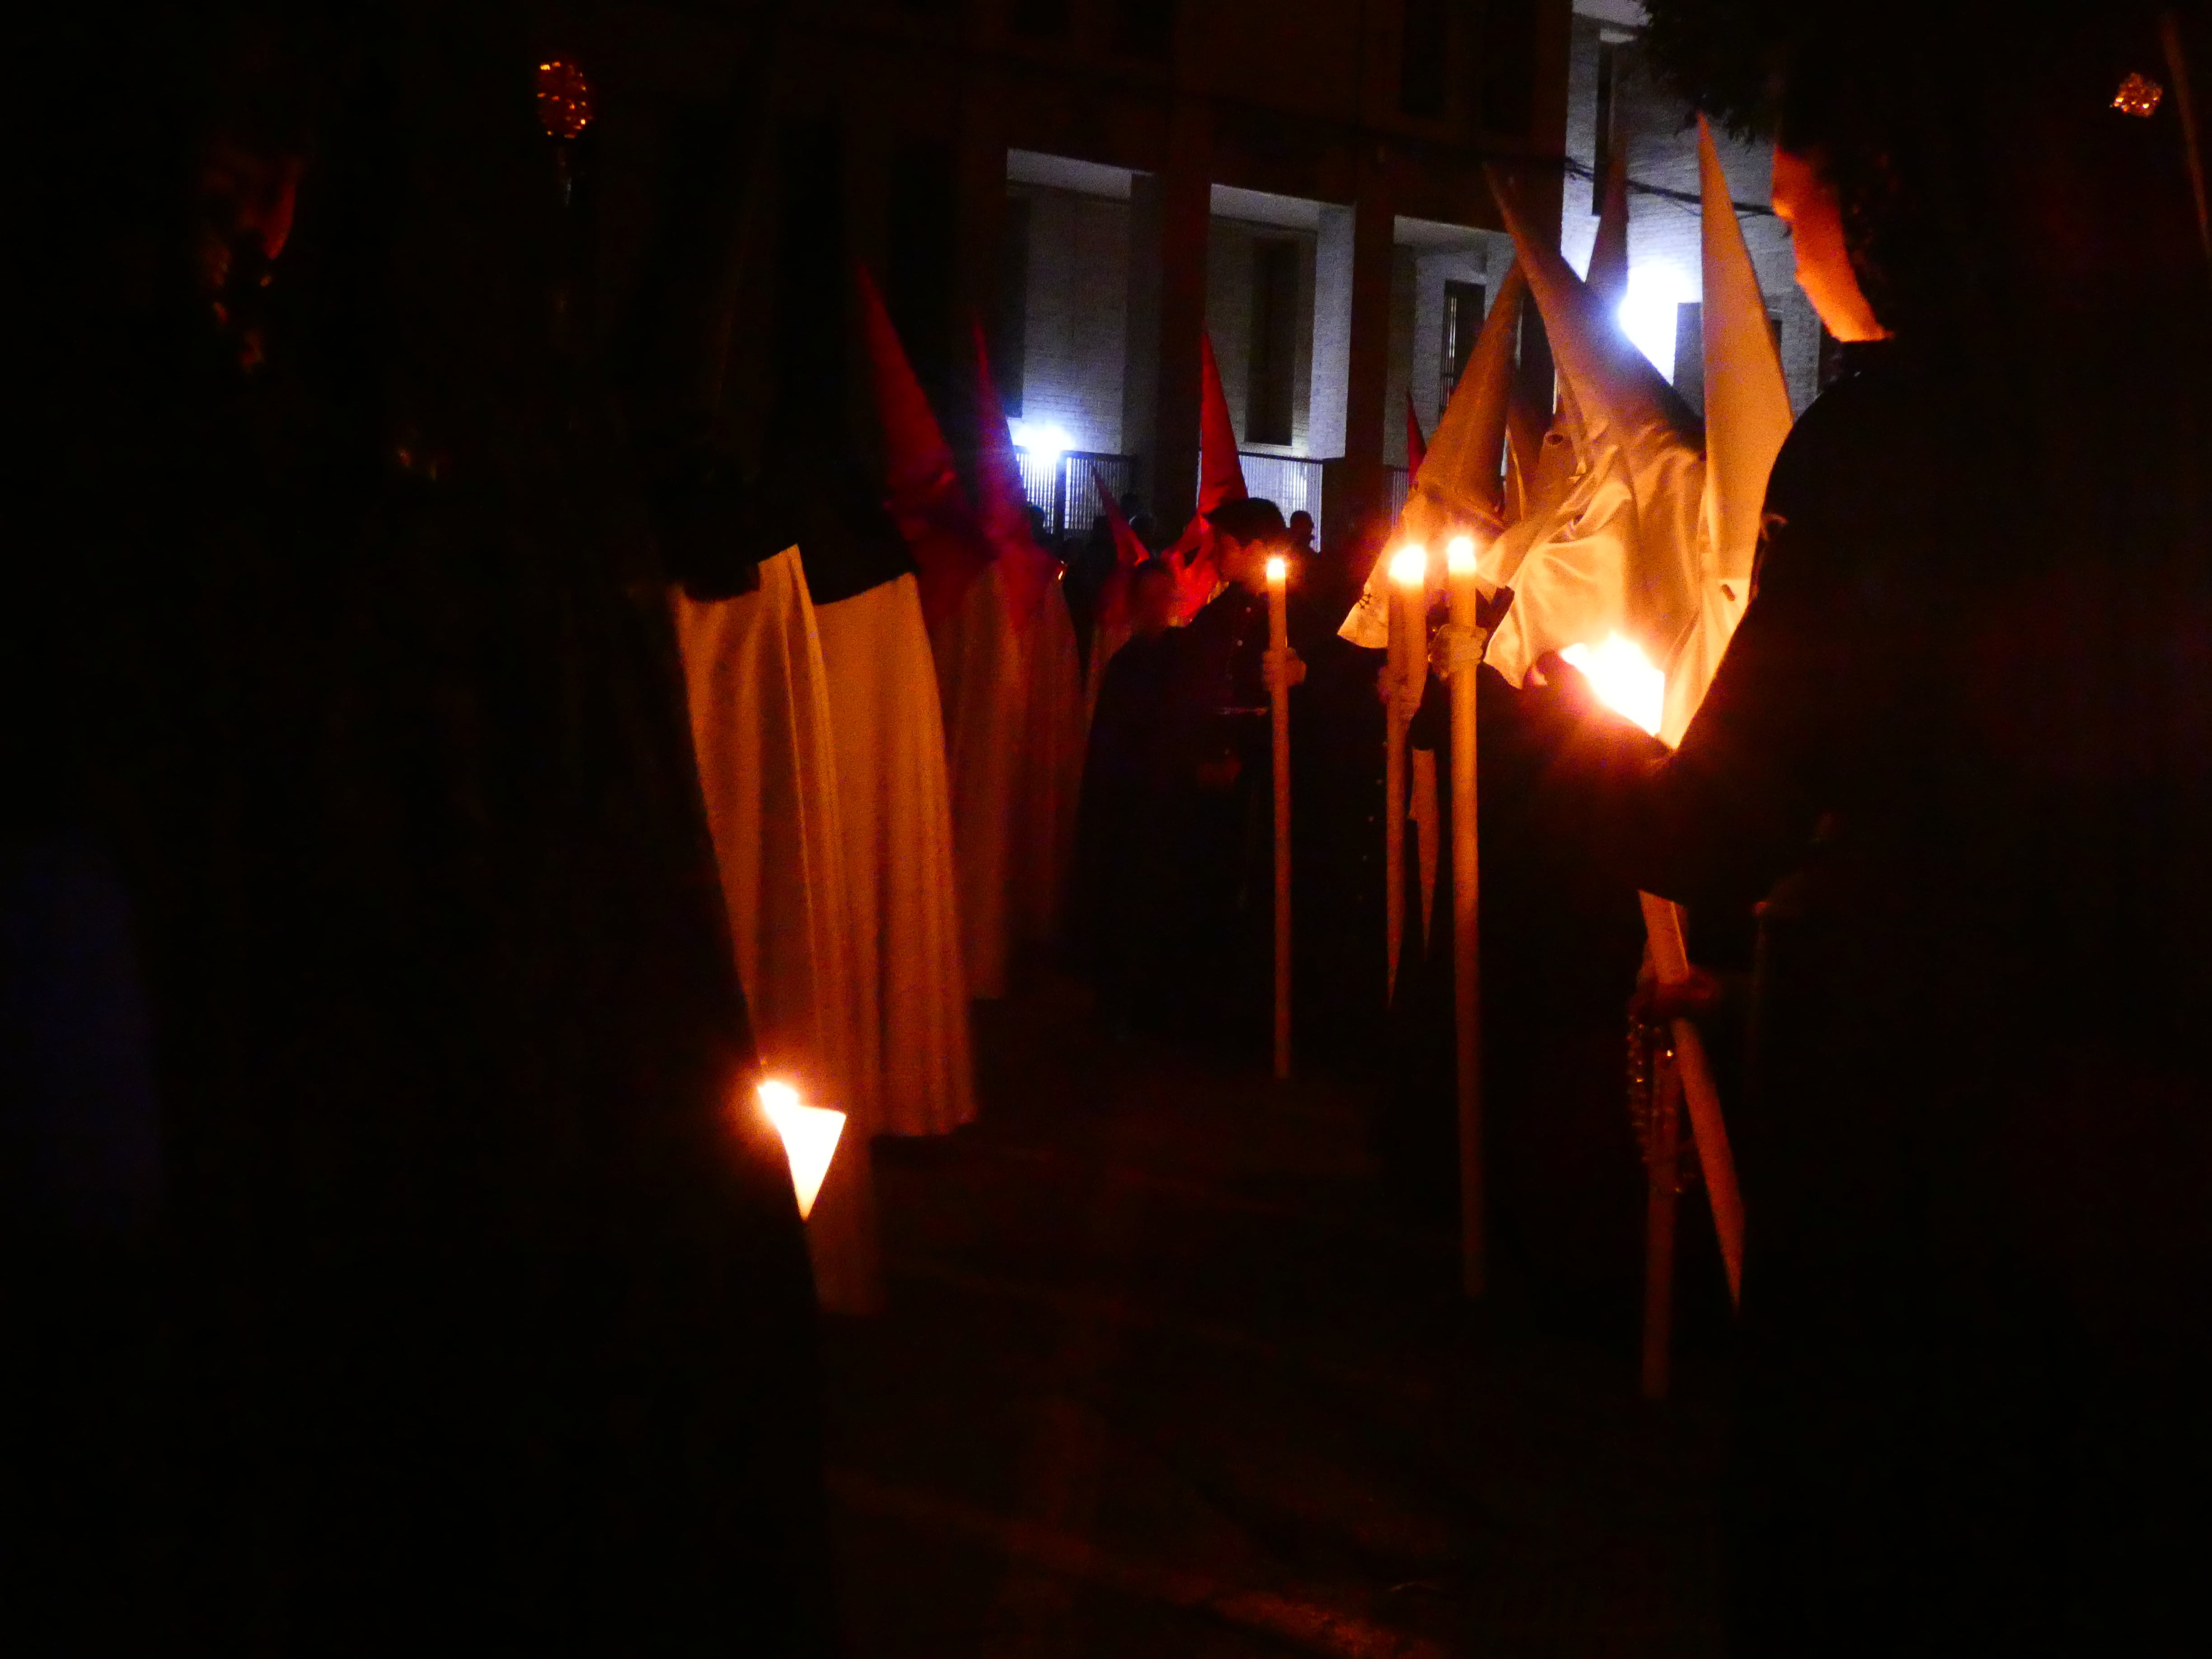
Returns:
point(1220, 747)
point(439, 1286)
point(1561, 938)
point(1124, 882)
point(1958, 746)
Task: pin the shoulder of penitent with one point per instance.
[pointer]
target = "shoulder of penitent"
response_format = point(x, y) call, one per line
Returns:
point(1855, 434)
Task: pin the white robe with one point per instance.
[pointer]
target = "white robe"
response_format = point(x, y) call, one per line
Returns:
point(757, 690)
point(979, 678)
point(909, 993)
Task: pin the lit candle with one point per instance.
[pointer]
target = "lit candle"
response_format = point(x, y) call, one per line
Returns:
point(1279, 658)
point(1407, 673)
point(1409, 624)
point(809, 1136)
point(1467, 869)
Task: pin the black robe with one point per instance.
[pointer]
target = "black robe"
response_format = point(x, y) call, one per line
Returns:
point(466, 1301)
point(1977, 1146)
point(1122, 909)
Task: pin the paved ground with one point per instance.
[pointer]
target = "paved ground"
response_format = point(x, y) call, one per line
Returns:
point(1162, 1375)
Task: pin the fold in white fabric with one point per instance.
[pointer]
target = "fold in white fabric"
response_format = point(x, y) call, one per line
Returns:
point(758, 693)
point(979, 669)
point(902, 876)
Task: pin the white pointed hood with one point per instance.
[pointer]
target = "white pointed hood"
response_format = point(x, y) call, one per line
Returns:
point(1607, 275)
point(1621, 551)
point(1747, 398)
point(1746, 419)
point(1457, 491)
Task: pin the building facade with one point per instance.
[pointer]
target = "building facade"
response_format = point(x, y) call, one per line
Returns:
point(1096, 182)
point(1615, 99)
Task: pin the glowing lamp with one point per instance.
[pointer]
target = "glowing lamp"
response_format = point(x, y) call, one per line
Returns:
point(1046, 443)
point(1624, 679)
point(1409, 565)
point(810, 1138)
point(1459, 556)
point(1648, 313)
point(1279, 571)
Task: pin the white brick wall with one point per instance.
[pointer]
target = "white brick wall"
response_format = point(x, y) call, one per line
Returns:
point(1077, 315)
point(1485, 261)
point(1229, 320)
point(1663, 150)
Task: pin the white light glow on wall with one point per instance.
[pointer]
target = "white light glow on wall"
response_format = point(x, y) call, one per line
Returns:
point(1647, 313)
point(1042, 440)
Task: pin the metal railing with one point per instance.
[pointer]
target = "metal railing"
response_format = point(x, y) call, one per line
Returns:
point(1059, 485)
point(1293, 484)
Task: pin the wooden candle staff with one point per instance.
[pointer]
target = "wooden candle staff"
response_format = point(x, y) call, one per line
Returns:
point(1466, 905)
point(1278, 714)
point(1662, 1159)
point(1406, 671)
point(1670, 961)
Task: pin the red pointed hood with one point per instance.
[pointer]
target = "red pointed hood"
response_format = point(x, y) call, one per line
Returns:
point(1129, 550)
point(921, 491)
point(1417, 446)
point(1221, 475)
point(1220, 481)
point(1025, 570)
point(1196, 577)
point(1128, 554)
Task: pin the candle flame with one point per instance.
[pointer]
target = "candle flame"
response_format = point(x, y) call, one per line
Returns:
point(1279, 570)
point(1459, 556)
point(810, 1138)
point(1409, 565)
point(1624, 679)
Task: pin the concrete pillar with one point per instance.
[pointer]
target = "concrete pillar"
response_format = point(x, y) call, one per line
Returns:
point(980, 166)
point(1331, 333)
point(1185, 206)
point(1540, 194)
point(1354, 491)
point(1141, 360)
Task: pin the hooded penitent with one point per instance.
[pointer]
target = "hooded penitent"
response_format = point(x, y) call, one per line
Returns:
point(980, 677)
point(1048, 767)
point(1620, 552)
point(902, 876)
point(1129, 552)
point(1456, 491)
point(1747, 417)
point(1607, 274)
point(1653, 533)
point(895, 735)
point(1220, 481)
point(1417, 446)
point(1112, 628)
point(760, 727)
point(922, 490)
